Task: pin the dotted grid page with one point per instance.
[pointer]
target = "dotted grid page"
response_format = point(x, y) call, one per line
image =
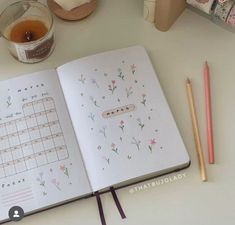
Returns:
point(40, 162)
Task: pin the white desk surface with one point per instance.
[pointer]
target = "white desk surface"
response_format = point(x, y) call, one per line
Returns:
point(176, 54)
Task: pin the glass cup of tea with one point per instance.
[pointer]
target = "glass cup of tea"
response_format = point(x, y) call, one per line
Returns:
point(28, 29)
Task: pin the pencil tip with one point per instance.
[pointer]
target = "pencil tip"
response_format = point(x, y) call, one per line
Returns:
point(206, 63)
point(188, 81)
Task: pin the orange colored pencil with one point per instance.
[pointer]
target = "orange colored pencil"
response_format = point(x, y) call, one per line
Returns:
point(211, 157)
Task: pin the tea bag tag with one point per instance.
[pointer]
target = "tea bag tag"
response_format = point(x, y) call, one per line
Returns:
point(71, 4)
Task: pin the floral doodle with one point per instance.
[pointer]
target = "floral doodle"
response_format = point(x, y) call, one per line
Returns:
point(103, 131)
point(133, 68)
point(65, 170)
point(152, 143)
point(129, 91)
point(114, 148)
point(107, 159)
point(41, 180)
point(140, 123)
point(120, 74)
point(94, 101)
point(93, 81)
point(129, 157)
point(122, 125)
point(92, 117)
point(144, 99)
point(56, 183)
point(9, 102)
point(82, 79)
point(112, 86)
point(136, 143)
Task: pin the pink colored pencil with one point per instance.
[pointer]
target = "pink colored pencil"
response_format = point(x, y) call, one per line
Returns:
point(211, 158)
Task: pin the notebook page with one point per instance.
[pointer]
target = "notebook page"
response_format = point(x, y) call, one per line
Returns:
point(122, 121)
point(40, 162)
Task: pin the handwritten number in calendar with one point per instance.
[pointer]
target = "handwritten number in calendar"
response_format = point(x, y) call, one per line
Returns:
point(32, 141)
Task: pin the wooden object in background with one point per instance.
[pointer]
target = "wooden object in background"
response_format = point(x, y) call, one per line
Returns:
point(167, 11)
point(77, 13)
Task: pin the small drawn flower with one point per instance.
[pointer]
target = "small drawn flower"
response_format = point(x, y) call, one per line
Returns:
point(92, 117)
point(122, 125)
point(82, 79)
point(136, 143)
point(133, 68)
point(62, 167)
point(94, 101)
point(112, 86)
point(93, 81)
point(9, 102)
point(103, 131)
point(107, 159)
point(144, 99)
point(40, 179)
point(65, 170)
point(120, 74)
point(56, 183)
point(114, 148)
point(140, 123)
point(129, 91)
point(152, 143)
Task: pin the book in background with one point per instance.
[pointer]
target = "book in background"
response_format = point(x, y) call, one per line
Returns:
point(163, 12)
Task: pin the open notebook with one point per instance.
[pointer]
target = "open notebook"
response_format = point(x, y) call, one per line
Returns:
point(96, 122)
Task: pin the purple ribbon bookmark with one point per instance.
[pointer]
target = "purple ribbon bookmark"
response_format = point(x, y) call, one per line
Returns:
point(119, 207)
point(100, 207)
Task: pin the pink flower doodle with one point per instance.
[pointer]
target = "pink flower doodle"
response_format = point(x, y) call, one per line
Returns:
point(112, 86)
point(122, 125)
point(56, 183)
point(114, 148)
point(65, 170)
point(152, 142)
point(62, 167)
